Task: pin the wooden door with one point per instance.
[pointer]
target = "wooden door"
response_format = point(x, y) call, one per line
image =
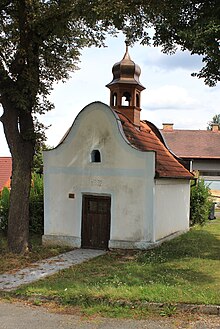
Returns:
point(96, 215)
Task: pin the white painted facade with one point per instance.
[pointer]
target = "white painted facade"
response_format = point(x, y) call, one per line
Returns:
point(171, 207)
point(144, 210)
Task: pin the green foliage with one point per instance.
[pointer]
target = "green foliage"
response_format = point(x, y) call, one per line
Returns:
point(38, 159)
point(36, 205)
point(193, 25)
point(4, 208)
point(215, 119)
point(38, 162)
point(168, 310)
point(200, 203)
point(41, 41)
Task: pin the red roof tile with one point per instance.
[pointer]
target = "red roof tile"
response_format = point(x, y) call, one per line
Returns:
point(148, 138)
point(193, 143)
point(5, 171)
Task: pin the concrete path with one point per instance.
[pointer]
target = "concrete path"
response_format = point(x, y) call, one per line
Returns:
point(19, 316)
point(46, 267)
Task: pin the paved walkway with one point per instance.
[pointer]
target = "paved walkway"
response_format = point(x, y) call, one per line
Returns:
point(46, 267)
point(20, 316)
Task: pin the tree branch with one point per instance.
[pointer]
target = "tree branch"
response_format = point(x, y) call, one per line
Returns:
point(4, 4)
point(5, 80)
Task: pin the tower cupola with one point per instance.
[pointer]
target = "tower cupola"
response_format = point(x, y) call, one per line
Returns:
point(125, 88)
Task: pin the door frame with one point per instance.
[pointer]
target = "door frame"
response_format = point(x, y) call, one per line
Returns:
point(84, 212)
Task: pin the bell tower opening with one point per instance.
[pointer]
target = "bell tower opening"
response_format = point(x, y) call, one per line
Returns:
point(113, 99)
point(126, 99)
point(137, 100)
point(125, 88)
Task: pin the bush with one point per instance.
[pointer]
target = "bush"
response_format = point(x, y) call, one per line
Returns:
point(36, 206)
point(200, 203)
point(4, 208)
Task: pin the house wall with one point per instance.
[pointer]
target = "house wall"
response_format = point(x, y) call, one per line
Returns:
point(171, 207)
point(125, 174)
point(206, 164)
point(210, 171)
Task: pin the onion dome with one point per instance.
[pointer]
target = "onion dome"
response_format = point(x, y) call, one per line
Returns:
point(126, 71)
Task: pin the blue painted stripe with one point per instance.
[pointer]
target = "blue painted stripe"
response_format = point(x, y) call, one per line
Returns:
point(96, 171)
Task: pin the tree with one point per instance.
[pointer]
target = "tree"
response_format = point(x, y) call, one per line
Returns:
point(200, 203)
point(37, 166)
point(194, 25)
point(216, 120)
point(40, 43)
point(187, 24)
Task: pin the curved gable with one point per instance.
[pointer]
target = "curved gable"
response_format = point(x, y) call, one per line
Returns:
point(112, 116)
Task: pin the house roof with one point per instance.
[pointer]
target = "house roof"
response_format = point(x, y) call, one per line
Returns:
point(193, 143)
point(5, 171)
point(148, 138)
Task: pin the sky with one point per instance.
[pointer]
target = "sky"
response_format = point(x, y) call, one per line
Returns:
point(172, 95)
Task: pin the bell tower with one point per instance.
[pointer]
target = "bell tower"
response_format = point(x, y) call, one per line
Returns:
point(125, 88)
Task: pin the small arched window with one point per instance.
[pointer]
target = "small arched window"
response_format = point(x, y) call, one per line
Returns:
point(95, 156)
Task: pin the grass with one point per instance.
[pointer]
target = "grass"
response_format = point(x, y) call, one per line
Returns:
point(183, 270)
point(10, 262)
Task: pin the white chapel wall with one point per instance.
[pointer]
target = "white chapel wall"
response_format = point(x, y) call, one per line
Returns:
point(172, 198)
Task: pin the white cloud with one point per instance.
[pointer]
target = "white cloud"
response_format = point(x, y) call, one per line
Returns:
point(168, 97)
point(180, 118)
point(180, 60)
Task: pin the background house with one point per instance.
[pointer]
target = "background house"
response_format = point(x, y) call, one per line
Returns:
point(201, 151)
point(5, 172)
point(112, 182)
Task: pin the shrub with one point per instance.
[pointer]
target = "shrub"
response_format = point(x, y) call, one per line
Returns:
point(36, 205)
point(4, 208)
point(200, 203)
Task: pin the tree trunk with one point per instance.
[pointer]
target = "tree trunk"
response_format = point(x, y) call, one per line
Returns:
point(18, 219)
point(19, 132)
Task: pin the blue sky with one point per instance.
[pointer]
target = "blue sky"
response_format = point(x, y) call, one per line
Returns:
point(172, 95)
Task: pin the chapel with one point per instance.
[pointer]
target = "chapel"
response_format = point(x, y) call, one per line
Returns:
point(112, 182)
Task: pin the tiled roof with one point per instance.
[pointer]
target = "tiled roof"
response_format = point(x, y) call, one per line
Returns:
point(148, 138)
point(193, 143)
point(5, 171)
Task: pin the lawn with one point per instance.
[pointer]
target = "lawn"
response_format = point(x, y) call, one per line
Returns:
point(184, 270)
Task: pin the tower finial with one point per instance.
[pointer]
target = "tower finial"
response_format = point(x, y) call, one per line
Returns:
point(126, 55)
